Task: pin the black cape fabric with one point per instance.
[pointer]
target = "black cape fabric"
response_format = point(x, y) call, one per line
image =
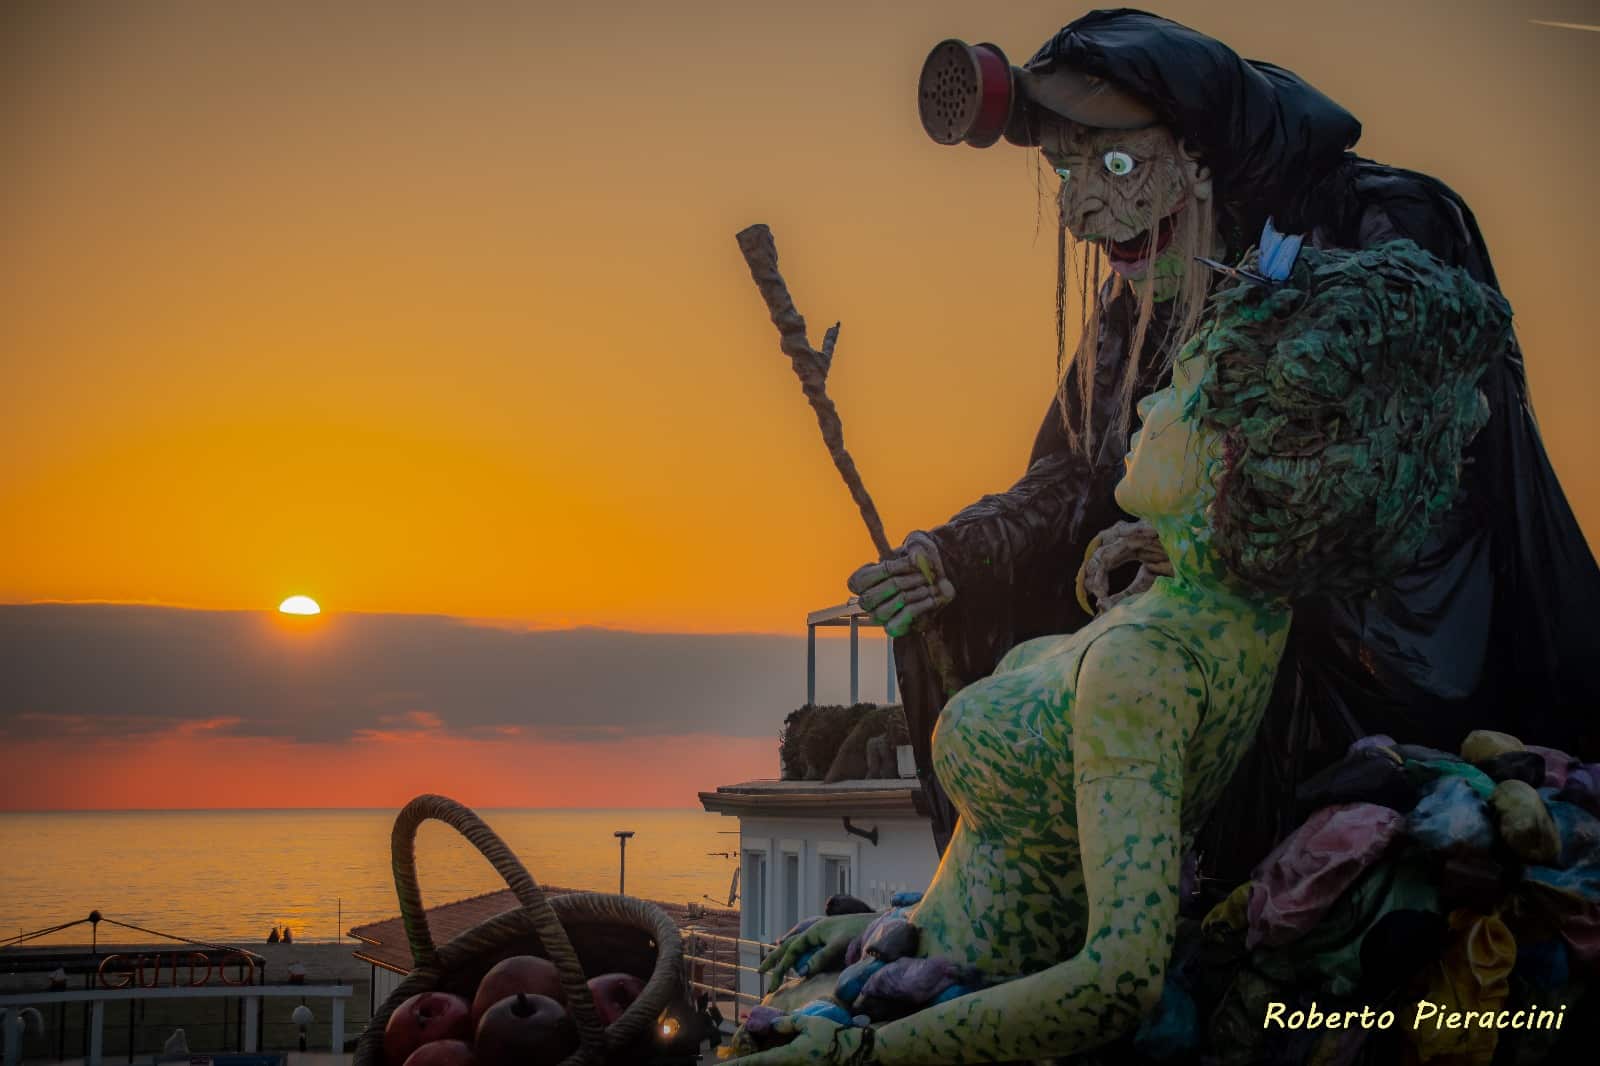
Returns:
point(1492, 628)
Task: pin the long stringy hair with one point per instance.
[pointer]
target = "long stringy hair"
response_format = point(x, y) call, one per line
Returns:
point(1195, 235)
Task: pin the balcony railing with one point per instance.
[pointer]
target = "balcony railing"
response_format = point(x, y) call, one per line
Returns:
point(716, 966)
point(849, 614)
point(251, 995)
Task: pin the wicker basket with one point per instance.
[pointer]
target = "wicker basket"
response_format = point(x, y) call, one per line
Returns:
point(581, 933)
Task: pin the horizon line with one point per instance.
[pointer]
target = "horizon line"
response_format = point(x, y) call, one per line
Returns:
point(504, 622)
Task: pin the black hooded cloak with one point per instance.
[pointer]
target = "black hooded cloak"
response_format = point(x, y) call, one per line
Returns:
point(1490, 629)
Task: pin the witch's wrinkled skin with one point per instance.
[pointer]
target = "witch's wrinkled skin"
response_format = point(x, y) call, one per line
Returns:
point(1120, 187)
point(1078, 769)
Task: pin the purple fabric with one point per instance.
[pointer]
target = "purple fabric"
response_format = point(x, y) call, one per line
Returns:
point(759, 1021)
point(912, 980)
point(890, 940)
point(1308, 871)
point(1583, 788)
point(1377, 740)
point(852, 954)
point(1557, 764)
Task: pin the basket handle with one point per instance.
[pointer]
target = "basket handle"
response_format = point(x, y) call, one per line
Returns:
point(403, 848)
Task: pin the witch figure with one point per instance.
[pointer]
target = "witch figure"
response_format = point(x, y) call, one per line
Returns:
point(1172, 150)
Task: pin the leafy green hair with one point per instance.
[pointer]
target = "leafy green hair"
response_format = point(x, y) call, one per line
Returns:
point(1344, 398)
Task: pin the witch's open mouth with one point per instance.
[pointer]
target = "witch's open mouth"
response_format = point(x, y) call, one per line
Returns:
point(1139, 248)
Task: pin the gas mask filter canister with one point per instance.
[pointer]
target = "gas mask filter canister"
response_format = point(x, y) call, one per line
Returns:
point(968, 93)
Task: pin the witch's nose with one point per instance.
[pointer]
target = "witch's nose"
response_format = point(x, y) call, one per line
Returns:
point(1079, 212)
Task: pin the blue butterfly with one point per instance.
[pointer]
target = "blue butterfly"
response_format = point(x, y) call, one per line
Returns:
point(1278, 251)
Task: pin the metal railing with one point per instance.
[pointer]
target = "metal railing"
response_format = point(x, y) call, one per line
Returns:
point(715, 966)
point(849, 613)
point(250, 996)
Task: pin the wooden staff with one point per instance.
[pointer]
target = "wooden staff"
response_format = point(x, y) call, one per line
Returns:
point(811, 367)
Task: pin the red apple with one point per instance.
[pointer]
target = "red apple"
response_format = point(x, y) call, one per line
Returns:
point(520, 973)
point(442, 1053)
point(422, 1019)
point(525, 1030)
point(614, 993)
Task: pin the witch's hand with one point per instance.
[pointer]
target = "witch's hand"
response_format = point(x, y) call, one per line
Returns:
point(1116, 546)
point(816, 1042)
point(904, 587)
point(829, 937)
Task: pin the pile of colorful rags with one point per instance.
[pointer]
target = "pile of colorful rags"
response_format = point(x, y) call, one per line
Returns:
point(1431, 908)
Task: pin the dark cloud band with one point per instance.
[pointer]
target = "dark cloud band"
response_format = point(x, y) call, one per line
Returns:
point(97, 670)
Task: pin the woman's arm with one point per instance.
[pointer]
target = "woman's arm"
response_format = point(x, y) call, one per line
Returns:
point(1138, 697)
point(829, 937)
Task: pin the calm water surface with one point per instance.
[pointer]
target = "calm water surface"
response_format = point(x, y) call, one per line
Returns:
point(235, 874)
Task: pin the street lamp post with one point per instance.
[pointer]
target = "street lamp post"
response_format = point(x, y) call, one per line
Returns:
point(622, 836)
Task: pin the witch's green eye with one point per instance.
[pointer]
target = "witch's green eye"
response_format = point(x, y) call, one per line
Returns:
point(1063, 173)
point(1119, 163)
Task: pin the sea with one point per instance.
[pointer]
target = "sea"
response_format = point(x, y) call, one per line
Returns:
point(234, 875)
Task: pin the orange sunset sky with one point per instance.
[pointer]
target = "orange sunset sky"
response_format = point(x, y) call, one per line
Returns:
point(436, 310)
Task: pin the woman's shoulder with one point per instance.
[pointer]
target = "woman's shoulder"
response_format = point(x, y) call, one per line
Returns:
point(1136, 683)
point(1126, 632)
point(1141, 647)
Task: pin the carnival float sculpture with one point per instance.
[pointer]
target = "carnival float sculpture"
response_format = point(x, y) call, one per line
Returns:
point(1338, 403)
point(1341, 502)
point(1144, 119)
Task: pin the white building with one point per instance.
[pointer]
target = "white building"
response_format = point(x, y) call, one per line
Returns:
point(803, 841)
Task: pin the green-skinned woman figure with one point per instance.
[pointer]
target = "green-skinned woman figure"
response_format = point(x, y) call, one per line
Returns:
point(1311, 434)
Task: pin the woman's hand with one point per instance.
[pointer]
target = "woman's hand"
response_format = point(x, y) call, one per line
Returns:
point(817, 1042)
point(829, 937)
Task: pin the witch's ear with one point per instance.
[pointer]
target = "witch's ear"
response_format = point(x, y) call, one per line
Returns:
point(1198, 173)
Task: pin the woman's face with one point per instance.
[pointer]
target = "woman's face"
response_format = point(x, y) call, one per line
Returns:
point(1170, 456)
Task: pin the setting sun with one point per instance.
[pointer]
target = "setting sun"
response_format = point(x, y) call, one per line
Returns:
point(299, 605)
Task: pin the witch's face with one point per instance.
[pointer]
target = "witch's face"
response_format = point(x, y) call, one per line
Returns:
point(1126, 191)
point(1170, 459)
